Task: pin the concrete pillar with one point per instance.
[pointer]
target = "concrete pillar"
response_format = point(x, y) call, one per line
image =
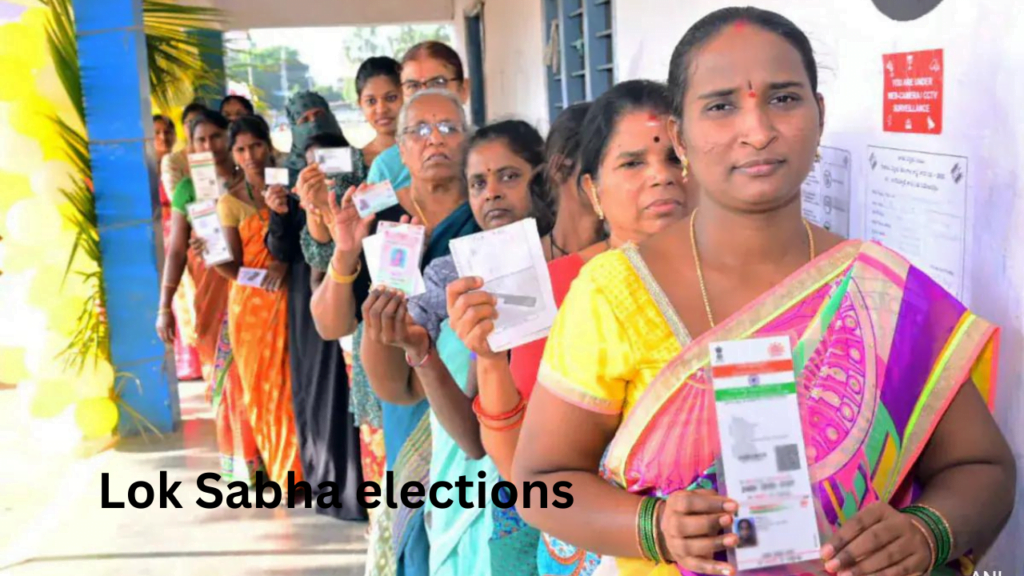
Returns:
point(115, 85)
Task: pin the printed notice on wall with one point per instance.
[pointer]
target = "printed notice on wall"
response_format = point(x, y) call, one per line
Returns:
point(913, 92)
point(826, 192)
point(917, 206)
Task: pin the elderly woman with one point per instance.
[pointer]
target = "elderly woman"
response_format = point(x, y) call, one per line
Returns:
point(503, 168)
point(432, 127)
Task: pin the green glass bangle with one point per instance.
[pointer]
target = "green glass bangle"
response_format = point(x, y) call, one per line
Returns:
point(648, 510)
point(939, 529)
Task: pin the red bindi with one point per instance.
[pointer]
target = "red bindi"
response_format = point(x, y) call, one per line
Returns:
point(752, 94)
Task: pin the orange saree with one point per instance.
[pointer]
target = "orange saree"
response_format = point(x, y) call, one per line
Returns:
point(258, 324)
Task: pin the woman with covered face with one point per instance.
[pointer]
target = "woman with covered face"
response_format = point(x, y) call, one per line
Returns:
point(907, 465)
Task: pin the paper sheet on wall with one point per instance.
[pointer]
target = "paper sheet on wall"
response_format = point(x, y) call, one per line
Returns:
point(917, 205)
point(826, 192)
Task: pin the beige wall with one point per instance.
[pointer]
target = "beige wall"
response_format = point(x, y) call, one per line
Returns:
point(513, 58)
point(247, 14)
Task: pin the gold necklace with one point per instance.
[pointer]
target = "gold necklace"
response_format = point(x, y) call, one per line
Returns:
point(700, 273)
point(419, 211)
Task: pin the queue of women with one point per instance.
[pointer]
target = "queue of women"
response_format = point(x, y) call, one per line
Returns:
point(670, 216)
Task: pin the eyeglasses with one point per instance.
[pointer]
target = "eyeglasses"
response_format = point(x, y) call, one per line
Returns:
point(423, 130)
point(437, 82)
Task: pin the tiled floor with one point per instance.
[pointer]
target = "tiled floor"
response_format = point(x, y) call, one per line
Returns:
point(52, 522)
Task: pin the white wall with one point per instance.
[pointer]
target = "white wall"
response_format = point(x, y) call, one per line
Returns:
point(513, 58)
point(984, 64)
point(246, 14)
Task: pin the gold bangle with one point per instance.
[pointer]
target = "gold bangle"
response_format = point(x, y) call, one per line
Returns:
point(344, 279)
point(945, 523)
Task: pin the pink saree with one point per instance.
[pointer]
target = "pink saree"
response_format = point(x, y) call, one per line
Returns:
point(880, 365)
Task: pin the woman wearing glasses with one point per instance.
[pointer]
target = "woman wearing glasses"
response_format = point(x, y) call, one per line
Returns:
point(432, 128)
point(428, 65)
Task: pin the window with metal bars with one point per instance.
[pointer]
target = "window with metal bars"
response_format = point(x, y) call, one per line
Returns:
point(579, 53)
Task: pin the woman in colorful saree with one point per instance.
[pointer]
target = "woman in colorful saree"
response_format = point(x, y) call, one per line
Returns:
point(238, 456)
point(633, 177)
point(503, 169)
point(895, 373)
point(258, 315)
point(185, 356)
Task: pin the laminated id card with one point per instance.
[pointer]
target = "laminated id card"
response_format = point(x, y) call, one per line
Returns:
point(401, 250)
point(206, 224)
point(764, 459)
point(203, 171)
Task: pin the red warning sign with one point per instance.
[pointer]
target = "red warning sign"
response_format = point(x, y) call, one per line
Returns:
point(913, 92)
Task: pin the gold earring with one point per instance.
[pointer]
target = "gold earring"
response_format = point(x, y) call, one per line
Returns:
point(817, 155)
point(597, 205)
point(686, 167)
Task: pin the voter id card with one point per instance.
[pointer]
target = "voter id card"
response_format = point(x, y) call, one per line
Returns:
point(334, 160)
point(276, 177)
point(400, 255)
point(764, 459)
point(375, 198)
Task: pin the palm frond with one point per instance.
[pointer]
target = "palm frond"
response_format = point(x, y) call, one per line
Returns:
point(176, 65)
point(175, 54)
point(63, 44)
point(140, 421)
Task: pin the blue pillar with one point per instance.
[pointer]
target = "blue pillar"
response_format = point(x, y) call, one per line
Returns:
point(211, 43)
point(115, 85)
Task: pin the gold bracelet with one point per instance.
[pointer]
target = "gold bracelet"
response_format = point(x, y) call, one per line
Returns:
point(344, 279)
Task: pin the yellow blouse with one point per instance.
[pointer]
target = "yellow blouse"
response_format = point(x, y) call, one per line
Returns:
point(232, 211)
point(613, 334)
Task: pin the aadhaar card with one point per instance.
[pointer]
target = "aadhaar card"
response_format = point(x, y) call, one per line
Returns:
point(206, 224)
point(764, 459)
point(203, 170)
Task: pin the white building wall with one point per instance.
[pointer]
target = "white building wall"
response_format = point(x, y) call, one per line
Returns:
point(513, 58)
point(984, 65)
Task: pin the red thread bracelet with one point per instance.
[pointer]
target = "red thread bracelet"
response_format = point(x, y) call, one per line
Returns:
point(479, 410)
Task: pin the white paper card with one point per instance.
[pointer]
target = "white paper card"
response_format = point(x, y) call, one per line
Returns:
point(764, 459)
point(375, 198)
point(334, 160)
point(511, 262)
point(373, 248)
point(203, 170)
point(276, 177)
point(251, 277)
point(206, 224)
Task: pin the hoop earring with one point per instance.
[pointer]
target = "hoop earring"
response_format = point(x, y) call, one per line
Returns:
point(597, 205)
